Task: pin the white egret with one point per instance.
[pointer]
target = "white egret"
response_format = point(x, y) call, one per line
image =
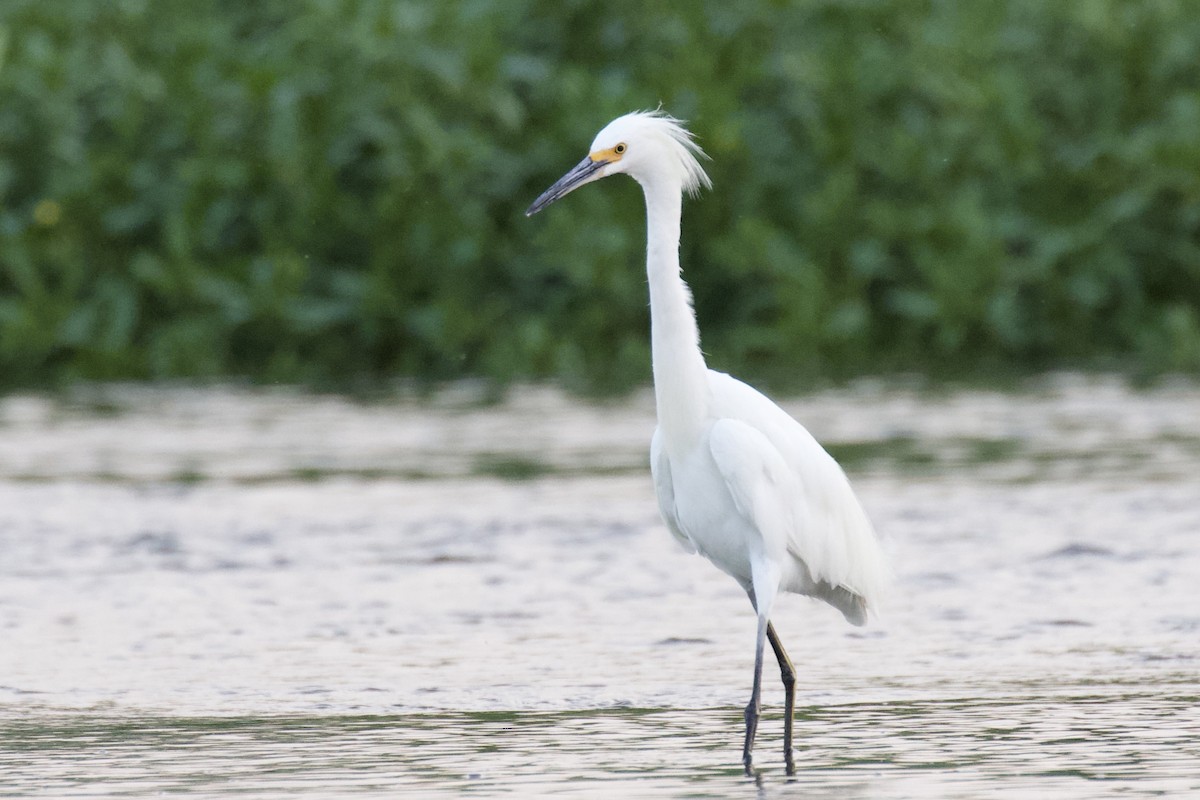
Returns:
point(738, 480)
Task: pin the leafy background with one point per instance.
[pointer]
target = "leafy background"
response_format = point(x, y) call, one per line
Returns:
point(330, 192)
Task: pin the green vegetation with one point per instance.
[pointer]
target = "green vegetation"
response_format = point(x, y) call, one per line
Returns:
point(331, 191)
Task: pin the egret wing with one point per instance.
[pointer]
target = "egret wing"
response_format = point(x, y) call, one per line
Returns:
point(764, 490)
point(832, 536)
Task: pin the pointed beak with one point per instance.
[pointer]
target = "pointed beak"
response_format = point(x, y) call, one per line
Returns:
point(585, 171)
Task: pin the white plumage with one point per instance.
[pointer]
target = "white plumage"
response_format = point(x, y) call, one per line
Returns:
point(786, 490)
point(738, 480)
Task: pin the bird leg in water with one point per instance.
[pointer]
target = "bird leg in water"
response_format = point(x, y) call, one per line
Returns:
point(752, 708)
point(788, 673)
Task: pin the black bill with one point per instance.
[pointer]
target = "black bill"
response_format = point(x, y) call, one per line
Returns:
point(583, 172)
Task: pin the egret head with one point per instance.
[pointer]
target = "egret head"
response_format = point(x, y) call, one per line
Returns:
point(650, 146)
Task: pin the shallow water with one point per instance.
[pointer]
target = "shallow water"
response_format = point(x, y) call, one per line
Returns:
point(238, 592)
point(1022, 745)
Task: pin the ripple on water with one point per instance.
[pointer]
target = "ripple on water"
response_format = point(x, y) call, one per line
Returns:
point(1069, 745)
point(325, 615)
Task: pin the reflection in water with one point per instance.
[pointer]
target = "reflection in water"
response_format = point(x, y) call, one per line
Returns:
point(297, 617)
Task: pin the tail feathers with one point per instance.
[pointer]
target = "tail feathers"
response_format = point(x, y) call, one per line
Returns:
point(852, 606)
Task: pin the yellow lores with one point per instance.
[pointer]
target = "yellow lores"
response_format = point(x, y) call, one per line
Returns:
point(609, 155)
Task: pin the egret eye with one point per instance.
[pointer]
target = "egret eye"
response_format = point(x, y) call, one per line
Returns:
point(619, 149)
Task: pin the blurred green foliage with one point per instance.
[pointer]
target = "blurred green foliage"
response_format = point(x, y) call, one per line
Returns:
point(331, 191)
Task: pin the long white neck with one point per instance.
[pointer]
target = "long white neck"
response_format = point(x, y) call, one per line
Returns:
point(680, 382)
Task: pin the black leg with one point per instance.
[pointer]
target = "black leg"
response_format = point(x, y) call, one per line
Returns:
point(752, 708)
point(788, 673)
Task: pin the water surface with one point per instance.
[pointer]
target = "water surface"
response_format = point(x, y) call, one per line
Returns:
point(226, 591)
